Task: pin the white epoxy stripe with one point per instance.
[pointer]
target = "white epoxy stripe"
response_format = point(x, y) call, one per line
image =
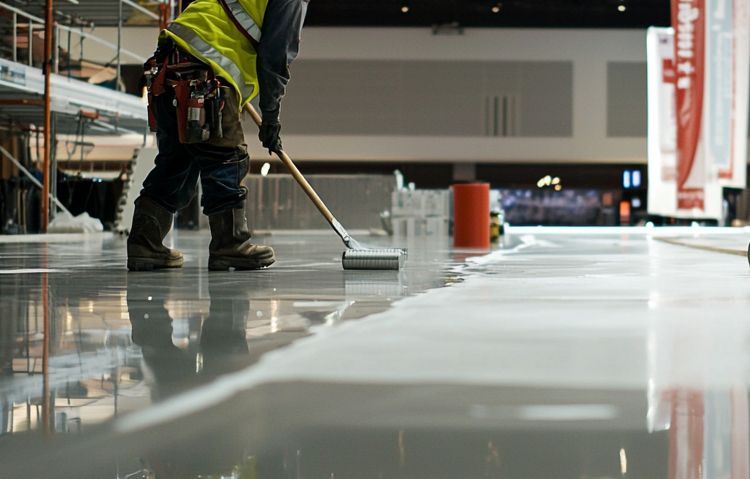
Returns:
point(32, 271)
point(696, 231)
point(55, 238)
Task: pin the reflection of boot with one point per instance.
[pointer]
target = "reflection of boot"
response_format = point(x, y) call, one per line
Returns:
point(146, 252)
point(171, 368)
point(223, 342)
point(230, 243)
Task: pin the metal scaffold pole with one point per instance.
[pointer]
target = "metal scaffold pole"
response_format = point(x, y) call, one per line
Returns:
point(166, 13)
point(119, 45)
point(48, 32)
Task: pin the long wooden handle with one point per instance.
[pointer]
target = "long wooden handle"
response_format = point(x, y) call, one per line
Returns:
point(296, 173)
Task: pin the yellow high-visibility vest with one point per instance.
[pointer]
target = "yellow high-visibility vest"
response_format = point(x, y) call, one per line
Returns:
point(206, 31)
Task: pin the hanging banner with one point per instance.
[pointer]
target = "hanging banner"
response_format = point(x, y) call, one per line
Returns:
point(662, 125)
point(728, 82)
point(689, 23)
point(719, 85)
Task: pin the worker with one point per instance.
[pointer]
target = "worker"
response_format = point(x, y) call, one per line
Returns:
point(210, 61)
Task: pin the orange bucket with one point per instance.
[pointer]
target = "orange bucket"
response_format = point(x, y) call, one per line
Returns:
point(471, 214)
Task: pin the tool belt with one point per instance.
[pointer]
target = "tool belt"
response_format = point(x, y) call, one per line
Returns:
point(198, 94)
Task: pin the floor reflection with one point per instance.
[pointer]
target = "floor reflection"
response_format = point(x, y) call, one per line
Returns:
point(698, 393)
point(83, 342)
point(67, 355)
point(116, 344)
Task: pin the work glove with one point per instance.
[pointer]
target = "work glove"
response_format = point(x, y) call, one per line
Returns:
point(269, 135)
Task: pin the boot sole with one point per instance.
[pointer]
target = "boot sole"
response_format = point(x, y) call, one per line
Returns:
point(237, 264)
point(151, 264)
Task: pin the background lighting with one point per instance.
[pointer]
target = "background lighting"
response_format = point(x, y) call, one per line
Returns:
point(632, 179)
point(636, 179)
point(548, 180)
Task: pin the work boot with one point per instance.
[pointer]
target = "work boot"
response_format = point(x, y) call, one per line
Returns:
point(146, 252)
point(230, 245)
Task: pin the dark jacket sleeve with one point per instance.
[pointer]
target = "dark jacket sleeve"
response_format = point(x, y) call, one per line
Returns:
point(278, 47)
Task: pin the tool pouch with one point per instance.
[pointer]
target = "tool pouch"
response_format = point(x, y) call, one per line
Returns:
point(198, 96)
point(198, 102)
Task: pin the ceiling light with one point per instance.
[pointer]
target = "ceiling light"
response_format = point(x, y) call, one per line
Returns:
point(497, 8)
point(405, 9)
point(621, 8)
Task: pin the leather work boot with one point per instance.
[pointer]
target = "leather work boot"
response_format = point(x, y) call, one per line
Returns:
point(230, 245)
point(146, 252)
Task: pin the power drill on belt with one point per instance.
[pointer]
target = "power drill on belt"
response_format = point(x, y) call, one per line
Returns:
point(202, 115)
point(198, 97)
point(199, 103)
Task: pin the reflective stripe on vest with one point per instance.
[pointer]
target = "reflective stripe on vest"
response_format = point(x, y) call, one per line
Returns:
point(210, 53)
point(244, 19)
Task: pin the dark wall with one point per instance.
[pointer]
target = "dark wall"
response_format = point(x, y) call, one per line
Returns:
point(440, 175)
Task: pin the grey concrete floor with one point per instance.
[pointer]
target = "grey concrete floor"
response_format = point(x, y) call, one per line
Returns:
point(563, 353)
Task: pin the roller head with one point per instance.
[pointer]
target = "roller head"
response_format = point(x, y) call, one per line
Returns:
point(373, 259)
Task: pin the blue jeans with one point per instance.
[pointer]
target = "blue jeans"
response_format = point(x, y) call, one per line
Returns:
point(221, 168)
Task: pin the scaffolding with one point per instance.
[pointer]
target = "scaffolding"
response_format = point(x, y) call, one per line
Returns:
point(48, 85)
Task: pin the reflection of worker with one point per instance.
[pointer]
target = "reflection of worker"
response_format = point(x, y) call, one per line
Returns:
point(222, 348)
point(215, 57)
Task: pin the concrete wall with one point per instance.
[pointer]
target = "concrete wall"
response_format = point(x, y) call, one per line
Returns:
point(591, 53)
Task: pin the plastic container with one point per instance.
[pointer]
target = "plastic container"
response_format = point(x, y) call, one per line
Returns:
point(471, 213)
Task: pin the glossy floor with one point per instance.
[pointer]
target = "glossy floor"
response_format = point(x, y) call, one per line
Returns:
point(563, 353)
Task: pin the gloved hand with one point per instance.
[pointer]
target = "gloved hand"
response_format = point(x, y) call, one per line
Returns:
point(269, 135)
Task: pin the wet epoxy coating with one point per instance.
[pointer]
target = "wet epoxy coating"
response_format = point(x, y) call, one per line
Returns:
point(564, 353)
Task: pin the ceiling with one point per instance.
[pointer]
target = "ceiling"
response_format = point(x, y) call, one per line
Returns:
point(468, 13)
point(479, 13)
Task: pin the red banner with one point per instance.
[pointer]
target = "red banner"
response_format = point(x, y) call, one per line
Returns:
point(689, 20)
